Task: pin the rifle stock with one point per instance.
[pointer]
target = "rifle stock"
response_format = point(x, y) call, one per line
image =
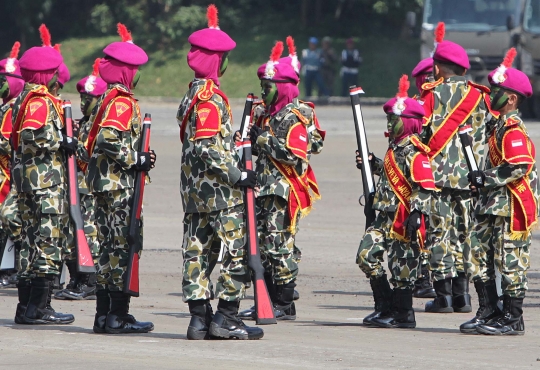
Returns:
point(131, 279)
point(368, 181)
point(264, 309)
point(85, 263)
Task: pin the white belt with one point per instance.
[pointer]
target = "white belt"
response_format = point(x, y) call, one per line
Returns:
point(349, 70)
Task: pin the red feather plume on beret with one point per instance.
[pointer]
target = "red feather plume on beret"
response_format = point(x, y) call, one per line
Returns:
point(57, 48)
point(45, 35)
point(404, 85)
point(95, 71)
point(290, 45)
point(15, 50)
point(124, 33)
point(439, 32)
point(212, 16)
point(277, 50)
point(509, 58)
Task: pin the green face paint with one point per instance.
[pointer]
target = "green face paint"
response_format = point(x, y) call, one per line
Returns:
point(4, 87)
point(88, 102)
point(136, 79)
point(52, 82)
point(269, 92)
point(395, 126)
point(224, 64)
point(498, 98)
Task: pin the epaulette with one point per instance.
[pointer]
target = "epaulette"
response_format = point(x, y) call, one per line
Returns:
point(512, 121)
point(480, 87)
point(419, 144)
point(118, 114)
point(207, 90)
point(432, 85)
point(36, 114)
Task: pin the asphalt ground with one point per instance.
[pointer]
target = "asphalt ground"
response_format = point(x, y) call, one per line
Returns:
point(335, 295)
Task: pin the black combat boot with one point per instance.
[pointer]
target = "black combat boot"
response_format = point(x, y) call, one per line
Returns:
point(103, 305)
point(119, 321)
point(443, 302)
point(250, 313)
point(198, 325)
point(84, 289)
point(284, 308)
point(23, 288)
point(69, 318)
point(510, 322)
point(296, 295)
point(227, 325)
point(73, 280)
point(422, 286)
point(401, 315)
point(487, 310)
point(37, 312)
point(382, 295)
point(461, 299)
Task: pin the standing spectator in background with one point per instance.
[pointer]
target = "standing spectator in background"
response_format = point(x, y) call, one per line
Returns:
point(350, 60)
point(311, 62)
point(328, 67)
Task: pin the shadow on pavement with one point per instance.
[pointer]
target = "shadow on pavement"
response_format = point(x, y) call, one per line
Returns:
point(354, 324)
point(340, 292)
point(351, 308)
point(178, 315)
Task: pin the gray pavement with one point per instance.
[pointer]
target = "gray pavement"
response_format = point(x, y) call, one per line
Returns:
point(335, 296)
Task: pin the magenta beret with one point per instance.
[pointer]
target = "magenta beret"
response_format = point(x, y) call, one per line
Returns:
point(10, 66)
point(423, 67)
point(450, 52)
point(126, 52)
point(92, 85)
point(40, 58)
point(283, 72)
point(411, 107)
point(63, 74)
point(212, 39)
point(514, 80)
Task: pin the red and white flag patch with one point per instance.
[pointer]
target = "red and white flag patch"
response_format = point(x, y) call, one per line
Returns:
point(516, 143)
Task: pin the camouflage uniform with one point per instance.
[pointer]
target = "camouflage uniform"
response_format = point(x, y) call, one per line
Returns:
point(213, 205)
point(276, 230)
point(451, 210)
point(110, 177)
point(39, 177)
point(493, 246)
point(317, 142)
point(403, 260)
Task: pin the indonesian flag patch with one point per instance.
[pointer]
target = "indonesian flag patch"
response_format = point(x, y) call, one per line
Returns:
point(516, 143)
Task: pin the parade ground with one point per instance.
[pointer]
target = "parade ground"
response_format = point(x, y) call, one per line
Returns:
point(334, 294)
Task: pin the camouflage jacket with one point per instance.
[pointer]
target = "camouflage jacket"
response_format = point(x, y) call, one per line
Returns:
point(449, 166)
point(385, 198)
point(38, 162)
point(5, 146)
point(210, 163)
point(272, 144)
point(494, 198)
point(260, 117)
point(114, 154)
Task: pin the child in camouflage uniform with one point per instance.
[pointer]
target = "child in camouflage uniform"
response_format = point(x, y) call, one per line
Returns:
point(402, 197)
point(81, 285)
point(112, 142)
point(212, 195)
point(283, 141)
point(506, 210)
point(451, 103)
point(39, 177)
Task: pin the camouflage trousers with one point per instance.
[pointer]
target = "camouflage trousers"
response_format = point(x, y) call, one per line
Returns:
point(44, 217)
point(203, 235)
point(492, 249)
point(113, 215)
point(88, 210)
point(403, 261)
point(276, 241)
point(11, 226)
point(449, 227)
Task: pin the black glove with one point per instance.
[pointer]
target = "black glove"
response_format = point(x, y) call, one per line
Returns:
point(145, 161)
point(69, 145)
point(248, 179)
point(372, 161)
point(412, 224)
point(477, 178)
point(254, 133)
